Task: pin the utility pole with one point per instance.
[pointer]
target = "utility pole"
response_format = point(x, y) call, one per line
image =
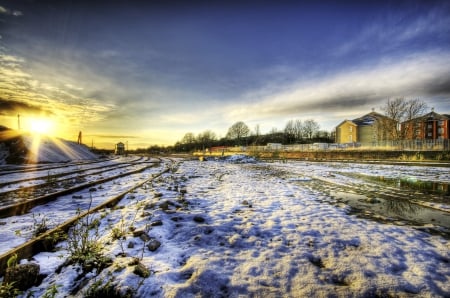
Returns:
point(18, 121)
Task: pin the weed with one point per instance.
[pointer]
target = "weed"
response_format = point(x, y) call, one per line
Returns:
point(55, 237)
point(84, 246)
point(40, 226)
point(51, 291)
point(51, 179)
point(7, 290)
point(98, 289)
point(12, 261)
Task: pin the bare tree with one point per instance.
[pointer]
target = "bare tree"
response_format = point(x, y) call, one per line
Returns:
point(289, 132)
point(310, 128)
point(257, 131)
point(206, 139)
point(414, 109)
point(238, 131)
point(400, 111)
point(188, 138)
point(298, 130)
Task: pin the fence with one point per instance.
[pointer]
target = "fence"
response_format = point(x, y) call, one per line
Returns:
point(407, 145)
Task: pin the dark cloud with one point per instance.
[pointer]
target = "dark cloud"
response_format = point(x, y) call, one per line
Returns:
point(439, 86)
point(17, 106)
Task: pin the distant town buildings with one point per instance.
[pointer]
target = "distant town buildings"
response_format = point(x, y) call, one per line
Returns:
point(374, 127)
point(432, 126)
point(366, 129)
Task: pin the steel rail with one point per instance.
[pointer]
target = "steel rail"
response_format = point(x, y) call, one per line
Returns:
point(23, 207)
point(43, 241)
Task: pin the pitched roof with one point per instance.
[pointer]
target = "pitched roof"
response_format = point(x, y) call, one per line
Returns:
point(433, 115)
point(346, 121)
point(369, 119)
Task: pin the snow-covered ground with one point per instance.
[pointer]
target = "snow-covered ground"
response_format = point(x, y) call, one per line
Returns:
point(43, 149)
point(234, 229)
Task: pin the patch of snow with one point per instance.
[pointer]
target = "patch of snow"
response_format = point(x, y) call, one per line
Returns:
point(240, 230)
point(44, 149)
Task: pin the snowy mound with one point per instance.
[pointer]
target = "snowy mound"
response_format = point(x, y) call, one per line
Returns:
point(45, 149)
point(240, 158)
point(17, 148)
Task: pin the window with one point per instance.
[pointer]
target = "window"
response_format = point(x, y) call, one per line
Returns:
point(351, 128)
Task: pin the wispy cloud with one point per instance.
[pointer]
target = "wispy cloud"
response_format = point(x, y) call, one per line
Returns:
point(6, 11)
point(398, 30)
point(421, 75)
point(22, 91)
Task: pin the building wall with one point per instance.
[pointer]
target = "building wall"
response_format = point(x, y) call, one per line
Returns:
point(433, 129)
point(367, 135)
point(346, 133)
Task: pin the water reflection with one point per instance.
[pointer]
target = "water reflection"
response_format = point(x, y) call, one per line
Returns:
point(412, 183)
point(401, 207)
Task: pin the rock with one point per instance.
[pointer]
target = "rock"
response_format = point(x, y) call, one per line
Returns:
point(24, 276)
point(199, 219)
point(131, 244)
point(141, 270)
point(144, 237)
point(156, 223)
point(141, 234)
point(153, 245)
point(373, 201)
point(138, 233)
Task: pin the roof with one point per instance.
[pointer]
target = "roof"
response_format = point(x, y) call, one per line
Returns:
point(369, 119)
point(351, 122)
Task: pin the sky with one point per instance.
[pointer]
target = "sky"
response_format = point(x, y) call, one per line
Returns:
point(148, 72)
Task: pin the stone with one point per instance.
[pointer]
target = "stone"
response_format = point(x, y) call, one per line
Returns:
point(141, 270)
point(156, 223)
point(24, 276)
point(153, 245)
point(199, 219)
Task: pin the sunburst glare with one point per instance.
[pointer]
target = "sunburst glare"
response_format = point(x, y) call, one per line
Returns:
point(41, 126)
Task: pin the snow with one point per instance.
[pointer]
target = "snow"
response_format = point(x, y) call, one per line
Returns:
point(265, 232)
point(45, 149)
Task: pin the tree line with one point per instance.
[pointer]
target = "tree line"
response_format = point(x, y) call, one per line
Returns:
point(396, 111)
point(295, 131)
point(239, 134)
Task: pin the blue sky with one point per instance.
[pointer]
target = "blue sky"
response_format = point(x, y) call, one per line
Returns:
point(148, 73)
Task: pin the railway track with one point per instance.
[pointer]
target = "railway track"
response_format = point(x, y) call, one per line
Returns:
point(36, 173)
point(18, 169)
point(81, 206)
point(45, 185)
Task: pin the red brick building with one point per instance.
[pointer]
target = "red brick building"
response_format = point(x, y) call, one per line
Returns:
point(432, 126)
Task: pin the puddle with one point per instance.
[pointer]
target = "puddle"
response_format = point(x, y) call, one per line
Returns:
point(392, 210)
point(387, 206)
point(411, 183)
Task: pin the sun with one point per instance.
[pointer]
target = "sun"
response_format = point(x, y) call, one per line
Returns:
point(43, 126)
